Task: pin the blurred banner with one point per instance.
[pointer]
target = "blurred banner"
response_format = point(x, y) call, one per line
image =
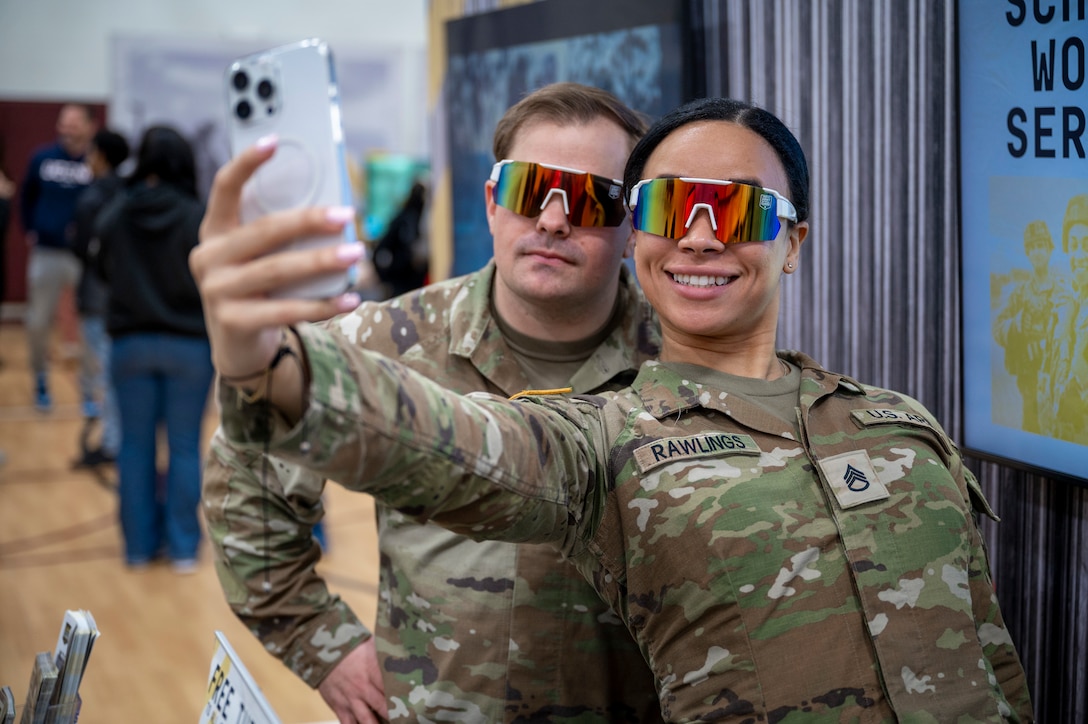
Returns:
point(180, 81)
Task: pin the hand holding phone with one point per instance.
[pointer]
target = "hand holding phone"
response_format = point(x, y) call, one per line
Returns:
point(291, 91)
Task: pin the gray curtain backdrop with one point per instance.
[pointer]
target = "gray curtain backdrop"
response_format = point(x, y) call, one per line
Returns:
point(870, 89)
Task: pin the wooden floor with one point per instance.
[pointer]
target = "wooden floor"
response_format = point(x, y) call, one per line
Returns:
point(60, 548)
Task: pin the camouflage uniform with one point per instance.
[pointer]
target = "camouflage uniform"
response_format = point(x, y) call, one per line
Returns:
point(832, 575)
point(467, 631)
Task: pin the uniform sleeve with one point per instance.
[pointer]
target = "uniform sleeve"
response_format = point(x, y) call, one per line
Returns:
point(481, 466)
point(260, 514)
point(996, 641)
point(997, 644)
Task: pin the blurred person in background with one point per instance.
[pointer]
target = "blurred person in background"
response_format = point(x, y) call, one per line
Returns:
point(160, 362)
point(400, 258)
point(107, 152)
point(7, 193)
point(56, 176)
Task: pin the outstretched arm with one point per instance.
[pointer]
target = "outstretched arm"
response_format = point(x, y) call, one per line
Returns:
point(480, 465)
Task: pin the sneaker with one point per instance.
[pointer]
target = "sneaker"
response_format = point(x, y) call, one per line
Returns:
point(184, 566)
point(42, 401)
point(91, 409)
point(94, 458)
point(138, 565)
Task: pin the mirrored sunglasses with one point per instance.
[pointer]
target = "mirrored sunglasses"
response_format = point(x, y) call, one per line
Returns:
point(738, 211)
point(588, 199)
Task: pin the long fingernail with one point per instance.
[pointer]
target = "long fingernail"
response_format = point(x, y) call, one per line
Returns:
point(266, 142)
point(350, 252)
point(348, 302)
point(339, 214)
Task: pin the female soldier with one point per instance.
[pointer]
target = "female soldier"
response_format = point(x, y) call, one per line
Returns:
point(785, 543)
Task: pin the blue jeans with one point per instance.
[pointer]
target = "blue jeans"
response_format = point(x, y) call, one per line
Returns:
point(160, 379)
point(94, 380)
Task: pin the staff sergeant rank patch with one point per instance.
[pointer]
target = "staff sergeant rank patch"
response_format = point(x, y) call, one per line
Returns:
point(853, 479)
point(670, 449)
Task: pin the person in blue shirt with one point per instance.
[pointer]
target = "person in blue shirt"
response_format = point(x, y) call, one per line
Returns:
point(57, 174)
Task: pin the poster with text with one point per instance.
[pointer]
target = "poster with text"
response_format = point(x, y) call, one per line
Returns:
point(1024, 190)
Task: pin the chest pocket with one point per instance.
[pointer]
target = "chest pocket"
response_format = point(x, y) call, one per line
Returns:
point(906, 445)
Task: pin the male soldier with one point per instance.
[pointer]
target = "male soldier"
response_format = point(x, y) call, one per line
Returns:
point(1069, 364)
point(1025, 327)
point(467, 631)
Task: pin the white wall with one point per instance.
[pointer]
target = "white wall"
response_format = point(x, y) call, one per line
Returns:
point(59, 49)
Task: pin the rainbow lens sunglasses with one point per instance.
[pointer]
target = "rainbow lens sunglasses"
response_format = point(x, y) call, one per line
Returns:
point(588, 199)
point(738, 211)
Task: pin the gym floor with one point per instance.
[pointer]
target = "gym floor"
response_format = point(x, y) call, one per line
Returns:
point(60, 548)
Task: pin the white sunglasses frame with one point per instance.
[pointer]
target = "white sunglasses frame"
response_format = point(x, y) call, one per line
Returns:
point(789, 215)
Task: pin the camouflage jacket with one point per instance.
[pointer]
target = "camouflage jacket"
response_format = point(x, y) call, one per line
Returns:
point(835, 577)
point(481, 631)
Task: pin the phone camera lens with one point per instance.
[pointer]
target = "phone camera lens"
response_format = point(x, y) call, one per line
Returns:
point(240, 80)
point(243, 110)
point(265, 89)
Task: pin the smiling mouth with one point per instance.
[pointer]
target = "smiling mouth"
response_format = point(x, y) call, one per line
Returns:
point(700, 280)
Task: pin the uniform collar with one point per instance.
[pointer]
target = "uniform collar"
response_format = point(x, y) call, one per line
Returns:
point(475, 335)
point(665, 391)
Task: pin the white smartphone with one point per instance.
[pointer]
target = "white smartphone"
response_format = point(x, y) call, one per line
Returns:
point(291, 91)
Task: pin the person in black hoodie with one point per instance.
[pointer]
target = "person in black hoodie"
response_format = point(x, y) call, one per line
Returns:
point(108, 150)
point(160, 365)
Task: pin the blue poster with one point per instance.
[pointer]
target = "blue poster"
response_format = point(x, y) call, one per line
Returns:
point(1024, 194)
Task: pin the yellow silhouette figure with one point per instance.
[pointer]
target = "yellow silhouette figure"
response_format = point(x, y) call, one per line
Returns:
point(1068, 361)
point(1025, 327)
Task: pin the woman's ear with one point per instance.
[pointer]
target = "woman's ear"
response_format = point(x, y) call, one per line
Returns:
point(797, 234)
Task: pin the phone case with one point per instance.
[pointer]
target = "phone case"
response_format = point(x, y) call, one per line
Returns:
point(291, 91)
